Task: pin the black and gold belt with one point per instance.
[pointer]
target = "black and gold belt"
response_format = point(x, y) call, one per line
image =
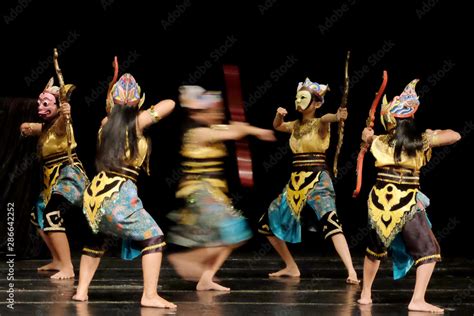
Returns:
point(130, 173)
point(203, 175)
point(309, 162)
point(198, 168)
point(60, 159)
point(401, 176)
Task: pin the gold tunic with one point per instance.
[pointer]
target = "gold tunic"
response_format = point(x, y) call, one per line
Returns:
point(142, 152)
point(52, 141)
point(384, 157)
point(200, 160)
point(53, 148)
point(394, 199)
point(305, 137)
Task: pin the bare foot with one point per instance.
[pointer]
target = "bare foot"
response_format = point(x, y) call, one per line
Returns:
point(352, 281)
point(187, 269)
point(55, 265)
point(293, 272)
point(80, 298)
point(156, 301)
point(208, 297)
point(64, 273)
point(424, 307)
point(211, 286)
point(364, 299)
point(352, 278)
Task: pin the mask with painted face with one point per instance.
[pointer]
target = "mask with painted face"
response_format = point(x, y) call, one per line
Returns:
point(48, 107)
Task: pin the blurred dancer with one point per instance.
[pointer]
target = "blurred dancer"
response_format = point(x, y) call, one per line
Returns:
point(207, 223)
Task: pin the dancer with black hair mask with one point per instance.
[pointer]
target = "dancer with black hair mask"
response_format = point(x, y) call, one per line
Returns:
point(111, 202)
point(397, 207)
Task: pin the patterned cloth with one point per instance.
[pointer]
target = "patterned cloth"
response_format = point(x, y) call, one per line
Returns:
point(120, 213)
point(284, 219)
point(70, 183)
point(398, 221)
point(415, 243)
point(207, 220)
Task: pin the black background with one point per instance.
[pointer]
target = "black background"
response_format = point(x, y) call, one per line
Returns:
point(276, 44)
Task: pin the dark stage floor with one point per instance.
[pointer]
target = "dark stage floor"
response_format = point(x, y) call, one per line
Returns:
point(116, 290)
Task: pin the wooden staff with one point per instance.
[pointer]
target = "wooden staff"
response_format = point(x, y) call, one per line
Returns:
point(65, 91)
point(341, 122)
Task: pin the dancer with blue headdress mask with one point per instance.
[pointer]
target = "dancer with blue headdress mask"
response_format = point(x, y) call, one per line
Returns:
point(397, 208)
point(111, 203)
point(310, 182)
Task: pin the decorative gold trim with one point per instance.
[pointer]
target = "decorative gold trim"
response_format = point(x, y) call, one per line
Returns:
point(220, 127)
point(398, 182)
point(97, 252)
point(94, 196)
point(265, 226)
point(126, 176)
point(297, 189)
point(390, 218)
point(438, 256)
point(336, 224)
point(381, 255)
point(162, 244)
point(154, 115)
point(333, 232)
point(400, 170)
point(398, 176)
point(54, 226)
point(202, 163)
point(131, 170)
point(47, 229)
point(309, 161)
point(202, 170)
point(56, 160)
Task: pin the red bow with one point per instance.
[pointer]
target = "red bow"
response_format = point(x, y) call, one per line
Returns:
point(370, 123)
point(237, 114)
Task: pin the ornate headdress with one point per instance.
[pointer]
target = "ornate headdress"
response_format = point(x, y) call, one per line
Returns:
point(402, 106)
point(197, 98)
point(51, 88)
point(315, 88)
point(126, 92)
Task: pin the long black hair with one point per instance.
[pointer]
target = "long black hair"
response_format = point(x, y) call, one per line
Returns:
point(118, 135)
point(405, 138)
